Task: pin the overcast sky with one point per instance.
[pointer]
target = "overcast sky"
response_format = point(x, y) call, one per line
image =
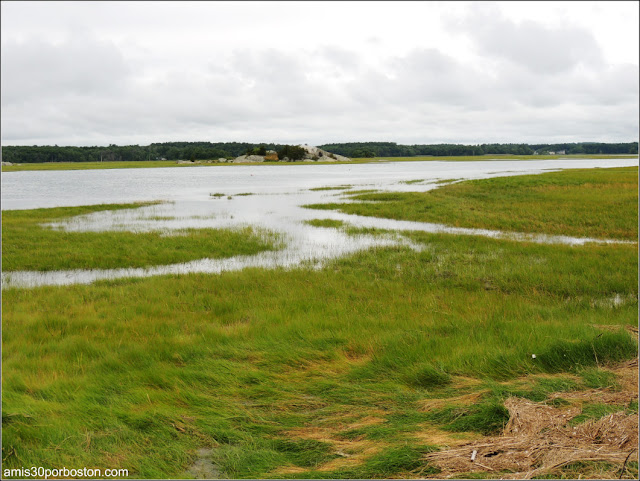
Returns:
point(95, 73)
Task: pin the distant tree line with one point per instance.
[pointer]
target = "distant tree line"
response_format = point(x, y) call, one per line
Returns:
point(391, 149)
point(156, 151)
point(211, 150)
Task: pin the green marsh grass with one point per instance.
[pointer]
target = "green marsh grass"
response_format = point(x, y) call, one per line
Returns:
point(144, 164)
point(596, 203)
point(599, 379)
point(140, 373)
point(324, 223)
point(274, 369)
point(361, 191)
point(335, 187)
point(28, 245)
point(595, 411)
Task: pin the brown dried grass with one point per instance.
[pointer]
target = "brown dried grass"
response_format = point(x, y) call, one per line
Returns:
point(537, 447)
point(537, 439)
point(463, 400)
point(351, 452)
point(434, 436)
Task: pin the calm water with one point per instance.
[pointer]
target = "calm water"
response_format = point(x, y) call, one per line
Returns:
point(278, 191)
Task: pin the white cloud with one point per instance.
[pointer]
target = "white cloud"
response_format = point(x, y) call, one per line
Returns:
point(247, 72)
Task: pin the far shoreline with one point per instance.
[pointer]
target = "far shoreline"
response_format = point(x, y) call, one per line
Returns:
point(146, 164)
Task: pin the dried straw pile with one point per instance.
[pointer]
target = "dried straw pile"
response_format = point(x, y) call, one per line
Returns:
point(537, 440)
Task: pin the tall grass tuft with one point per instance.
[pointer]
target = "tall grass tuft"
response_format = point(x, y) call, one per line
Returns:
point(572, 356)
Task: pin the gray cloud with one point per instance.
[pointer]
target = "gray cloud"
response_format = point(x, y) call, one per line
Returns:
point(527, 82)
point(79, 66)
point(538, 48)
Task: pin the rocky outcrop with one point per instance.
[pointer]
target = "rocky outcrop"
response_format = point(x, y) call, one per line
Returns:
point(314, 154)
point(322, 155)
point(248, 158)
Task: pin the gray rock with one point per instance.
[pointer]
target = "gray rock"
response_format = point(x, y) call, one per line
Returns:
point(322, 154)
point(248, 158)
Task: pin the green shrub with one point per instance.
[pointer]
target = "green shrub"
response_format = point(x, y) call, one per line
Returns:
point(292, 152)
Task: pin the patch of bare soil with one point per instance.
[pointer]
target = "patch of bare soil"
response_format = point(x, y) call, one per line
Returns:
point(538, 439)
point(203, 467)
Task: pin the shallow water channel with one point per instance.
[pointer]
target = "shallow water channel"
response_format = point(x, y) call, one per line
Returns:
point(277, 193)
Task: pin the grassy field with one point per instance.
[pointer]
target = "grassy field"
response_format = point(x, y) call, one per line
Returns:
point(94, 165)
point(356, 370)
point(600, 203)
point(28, 245)
point(173, 163)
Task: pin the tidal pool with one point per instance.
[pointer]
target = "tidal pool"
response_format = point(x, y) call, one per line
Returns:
point(278, 192)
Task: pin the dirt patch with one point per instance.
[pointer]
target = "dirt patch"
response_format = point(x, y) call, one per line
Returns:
point(203, 467)
point(538, 439)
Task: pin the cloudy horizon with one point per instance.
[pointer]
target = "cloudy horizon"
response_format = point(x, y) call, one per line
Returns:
point(99, 73)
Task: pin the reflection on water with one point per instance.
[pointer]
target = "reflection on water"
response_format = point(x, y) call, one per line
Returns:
point(279, 191)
